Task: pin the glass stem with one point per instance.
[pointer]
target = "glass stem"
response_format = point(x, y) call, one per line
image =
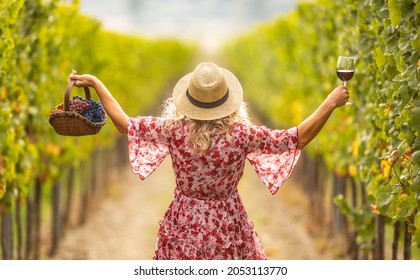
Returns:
point(347, 103)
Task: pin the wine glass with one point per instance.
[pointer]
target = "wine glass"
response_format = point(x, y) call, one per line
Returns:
point(345, 69)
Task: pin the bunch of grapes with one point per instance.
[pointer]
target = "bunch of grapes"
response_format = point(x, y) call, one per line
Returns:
point(78, 106)
point(94, 111)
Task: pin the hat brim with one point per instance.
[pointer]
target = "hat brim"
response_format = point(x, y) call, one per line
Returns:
point(231, 105)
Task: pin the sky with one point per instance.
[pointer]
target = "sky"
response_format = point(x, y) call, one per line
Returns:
point(208, 22)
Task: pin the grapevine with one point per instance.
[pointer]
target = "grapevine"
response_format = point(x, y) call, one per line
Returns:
point(38, 50)
point(33, 79)
point(376, 141)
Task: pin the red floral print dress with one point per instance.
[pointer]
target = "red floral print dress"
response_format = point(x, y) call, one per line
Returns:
point(206, 218)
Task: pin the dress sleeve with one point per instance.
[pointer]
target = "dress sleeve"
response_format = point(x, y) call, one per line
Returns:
point(273, 154)
point(147, 144)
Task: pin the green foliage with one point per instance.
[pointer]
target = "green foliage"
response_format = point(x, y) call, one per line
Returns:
point(41, 42)
point(288, 67)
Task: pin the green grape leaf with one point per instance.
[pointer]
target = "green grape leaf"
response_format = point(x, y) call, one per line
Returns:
point(380, 58)
point(415, 186)
point(417, 10)
point(416, 144)
point(341, 202)
point(416, 157)
point(394, 12)
point(402, 206)
point(398, 121)
point(415, 118)
point(384, 197)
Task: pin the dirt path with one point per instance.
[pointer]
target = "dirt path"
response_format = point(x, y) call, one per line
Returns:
point(125, 224)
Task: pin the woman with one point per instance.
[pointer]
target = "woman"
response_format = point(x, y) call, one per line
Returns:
point(206, 130)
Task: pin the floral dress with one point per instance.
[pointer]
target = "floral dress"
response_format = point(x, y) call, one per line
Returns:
point(206, 218)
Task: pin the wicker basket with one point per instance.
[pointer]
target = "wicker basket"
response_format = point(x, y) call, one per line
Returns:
point(70, 123)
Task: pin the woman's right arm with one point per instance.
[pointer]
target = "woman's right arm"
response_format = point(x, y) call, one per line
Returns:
point(111, 106)
point(309, 128)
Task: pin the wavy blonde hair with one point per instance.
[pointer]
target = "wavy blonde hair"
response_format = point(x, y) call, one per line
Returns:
point(200, 132)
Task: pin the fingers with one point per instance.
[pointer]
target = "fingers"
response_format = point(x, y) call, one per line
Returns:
point(85, 80)
point(346, 96)
point(70, 78)
point(74, 77)
point(340, 95)
point(73, 73)
point(342, 87)
point(344, 90)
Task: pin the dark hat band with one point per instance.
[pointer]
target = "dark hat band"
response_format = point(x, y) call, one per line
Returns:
point(208, 105)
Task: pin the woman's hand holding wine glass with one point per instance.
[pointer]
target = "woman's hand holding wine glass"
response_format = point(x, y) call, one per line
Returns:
point(338, 97)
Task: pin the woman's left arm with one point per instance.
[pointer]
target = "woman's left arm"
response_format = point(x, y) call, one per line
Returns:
point(310, 127)
point(111, 106)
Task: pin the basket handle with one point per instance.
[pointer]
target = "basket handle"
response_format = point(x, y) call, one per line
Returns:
point(67, 94)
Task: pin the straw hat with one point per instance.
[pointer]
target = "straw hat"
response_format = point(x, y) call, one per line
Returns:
point(208, 93)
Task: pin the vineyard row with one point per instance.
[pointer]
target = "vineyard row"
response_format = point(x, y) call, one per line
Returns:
point(288, 67)
point(40, 43)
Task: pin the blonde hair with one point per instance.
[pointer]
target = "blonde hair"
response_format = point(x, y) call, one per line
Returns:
point(200, 132)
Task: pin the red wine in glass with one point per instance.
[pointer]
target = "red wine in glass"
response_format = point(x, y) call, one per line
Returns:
point(345, 75)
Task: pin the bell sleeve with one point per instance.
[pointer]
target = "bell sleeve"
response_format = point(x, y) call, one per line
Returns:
point(273, 154)
point(147, 144)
